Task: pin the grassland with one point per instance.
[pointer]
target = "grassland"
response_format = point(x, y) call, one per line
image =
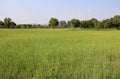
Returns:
point(59, 54)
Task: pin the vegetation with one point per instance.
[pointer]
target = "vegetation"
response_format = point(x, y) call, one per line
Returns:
point(93, 23)
point(8, 23)
point(53, 22)
point(59, 54)
point(111, 23)
point(1, 24)
point(75, 23)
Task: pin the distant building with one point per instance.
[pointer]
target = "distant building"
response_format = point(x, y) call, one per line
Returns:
point(61, 23)
point(69, 23)
point(64, 24)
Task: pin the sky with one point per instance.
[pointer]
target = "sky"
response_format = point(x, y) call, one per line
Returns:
point(40, 11)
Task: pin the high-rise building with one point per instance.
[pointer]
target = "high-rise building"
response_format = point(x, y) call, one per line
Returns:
point(61, 23)
point(68, 23)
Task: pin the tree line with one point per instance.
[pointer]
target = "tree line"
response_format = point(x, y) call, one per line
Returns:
point(113, 22)
point(92, 23)
point(8, 23)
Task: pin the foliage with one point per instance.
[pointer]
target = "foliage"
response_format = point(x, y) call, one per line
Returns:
point(53, 22)
point(113, 22)
point(84, 24)
point(7, 22)
point(94, 23)
point(116, 22)
point(1, 24)
point(75, 23)
point(13, 25)
point(64, 25)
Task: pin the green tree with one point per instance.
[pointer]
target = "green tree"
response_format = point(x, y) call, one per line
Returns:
point(53, 22)
point(105, 23)
point(116, 21)
point(7, 22)
point(1, 24)
point(82, 23)
point(75, 23)
point(108, 23)
point(93, 23)
point(111, 23)
point(12, 24)
point(85, 24)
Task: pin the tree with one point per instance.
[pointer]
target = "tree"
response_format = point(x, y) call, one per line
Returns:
point(1, 24)
point(12, 24)
point(29, 25)
point(116, 21)
point(93, 23)
point(7, 22)
point(85, 24)
point(53, 22)
point(75, 23)
point(111, 23)
point(108, 24)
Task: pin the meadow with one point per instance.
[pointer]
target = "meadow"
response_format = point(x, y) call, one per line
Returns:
point(59, 54)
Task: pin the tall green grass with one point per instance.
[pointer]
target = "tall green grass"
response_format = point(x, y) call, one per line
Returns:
point(59, 54)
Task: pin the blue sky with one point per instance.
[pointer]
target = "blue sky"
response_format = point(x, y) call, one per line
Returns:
point(40, 11)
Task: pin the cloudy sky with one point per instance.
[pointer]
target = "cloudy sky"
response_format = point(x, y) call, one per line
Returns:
point(40, 11)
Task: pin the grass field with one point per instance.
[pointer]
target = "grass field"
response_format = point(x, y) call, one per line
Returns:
point(59, 54)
